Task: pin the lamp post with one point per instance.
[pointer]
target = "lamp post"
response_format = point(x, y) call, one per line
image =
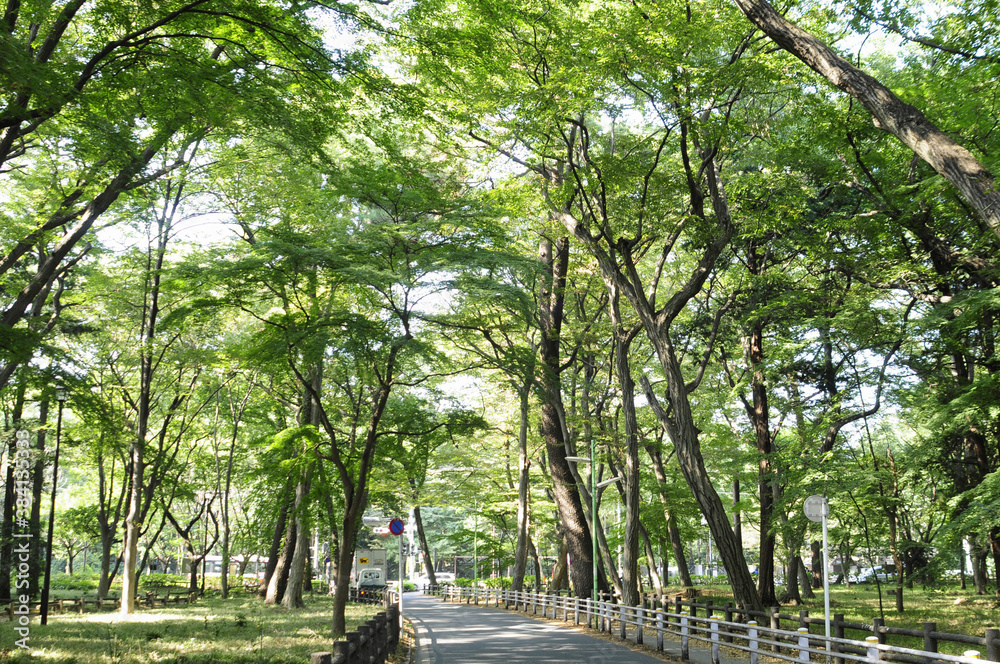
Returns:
point(594, 486)
point(61, 398)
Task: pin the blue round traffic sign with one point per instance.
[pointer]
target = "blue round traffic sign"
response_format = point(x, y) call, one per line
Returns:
point(396, 527)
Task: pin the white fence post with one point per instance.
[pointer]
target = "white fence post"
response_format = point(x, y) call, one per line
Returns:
point(640, 613)
point(659, 630)
point(684, 636)
point(803, 644)
point(715, 642)
point(752, 642)
point(873, 653)
point(623, 615)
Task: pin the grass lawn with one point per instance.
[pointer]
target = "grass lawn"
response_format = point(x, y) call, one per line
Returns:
point(239, 631)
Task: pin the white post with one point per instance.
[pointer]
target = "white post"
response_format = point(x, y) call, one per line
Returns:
point(873, 653)
point(826, 579)
point(684, 636)
point(715, 642)
point(803, 644)
point(659, 630)
point(754, 644)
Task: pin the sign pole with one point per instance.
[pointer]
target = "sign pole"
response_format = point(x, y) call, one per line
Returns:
point(396, 527)
point(817, 508)
point(826, 575)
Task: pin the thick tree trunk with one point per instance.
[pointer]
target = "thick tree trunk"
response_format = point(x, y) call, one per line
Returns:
point(564, 489)
point(292, 596)
point(952, 161)
point(279, 579)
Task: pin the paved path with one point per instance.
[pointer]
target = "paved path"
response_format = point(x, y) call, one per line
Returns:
point(462, 634)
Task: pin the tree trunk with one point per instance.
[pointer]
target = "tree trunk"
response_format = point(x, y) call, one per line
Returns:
point(275, 551)
point(759, 417)
point(816, 551)
point(623, 370)
point(654, 572)
point(424, 548)
point(952, 161)
point(523, 478)
point(35, 522)
point(7, 527)
point(292, 597)
point(805, 581)
point(279, 579)
point(673, 532)
point(564, 490)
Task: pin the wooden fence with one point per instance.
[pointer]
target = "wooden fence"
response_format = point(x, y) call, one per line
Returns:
point(147, 600)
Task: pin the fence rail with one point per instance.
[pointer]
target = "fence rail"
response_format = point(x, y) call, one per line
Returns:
point(731, 627)
point(80, 604)
point(371, 643)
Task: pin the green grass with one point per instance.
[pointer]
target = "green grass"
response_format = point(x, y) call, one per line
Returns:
point(216, 631)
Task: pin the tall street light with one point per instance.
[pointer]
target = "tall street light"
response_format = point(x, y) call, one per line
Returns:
point(594, 486)
point(61, 398)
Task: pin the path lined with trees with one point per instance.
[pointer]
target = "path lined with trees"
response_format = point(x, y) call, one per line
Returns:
point(299, 262)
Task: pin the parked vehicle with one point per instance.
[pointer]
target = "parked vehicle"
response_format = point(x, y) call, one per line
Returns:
point(369, 571)
point(870, 574)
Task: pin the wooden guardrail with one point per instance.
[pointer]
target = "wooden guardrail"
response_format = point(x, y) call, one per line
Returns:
point(371, 643)
point(733, 628)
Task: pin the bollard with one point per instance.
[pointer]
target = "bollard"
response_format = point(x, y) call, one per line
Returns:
point(622, 621)
point(752, 642)
point(715, 642)
point(576, 610)
point(974, 654)
point(684, 637)
point(659, 630)
point(639, 615)
point(803, 644)
point(873, 653)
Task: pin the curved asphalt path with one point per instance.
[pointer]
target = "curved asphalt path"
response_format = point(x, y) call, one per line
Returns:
point(462, 634)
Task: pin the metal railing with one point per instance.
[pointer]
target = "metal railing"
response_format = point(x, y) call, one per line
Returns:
point(716, 632)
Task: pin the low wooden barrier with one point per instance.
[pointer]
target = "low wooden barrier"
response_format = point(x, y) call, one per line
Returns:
point(370, 644)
